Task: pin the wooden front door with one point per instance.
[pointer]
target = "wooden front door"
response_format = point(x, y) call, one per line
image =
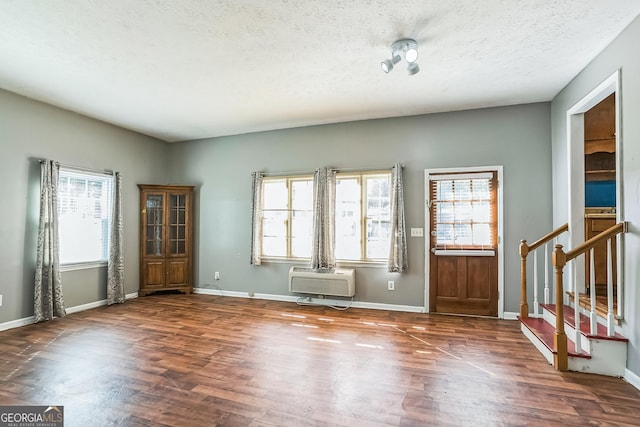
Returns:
point(463, 250)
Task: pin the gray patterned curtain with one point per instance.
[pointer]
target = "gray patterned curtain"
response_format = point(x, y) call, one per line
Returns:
point(256, 218)
point(47, 299)
point(398, 261)
point(115, 269)
point(324, 230)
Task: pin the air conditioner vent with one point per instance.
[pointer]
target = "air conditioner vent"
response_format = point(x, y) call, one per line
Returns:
point(336, 282)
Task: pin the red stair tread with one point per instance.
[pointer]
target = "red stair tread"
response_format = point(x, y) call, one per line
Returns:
point(585, 327)
point(544, 331)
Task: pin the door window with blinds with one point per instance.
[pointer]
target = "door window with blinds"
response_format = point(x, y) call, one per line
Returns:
point(463, 213)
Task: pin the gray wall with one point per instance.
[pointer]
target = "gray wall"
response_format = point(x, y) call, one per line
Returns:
point(621, 54)
point(30, 131)
point(516, 137)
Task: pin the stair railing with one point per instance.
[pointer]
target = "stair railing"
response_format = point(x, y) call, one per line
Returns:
point(559, 260)
point(525, 250)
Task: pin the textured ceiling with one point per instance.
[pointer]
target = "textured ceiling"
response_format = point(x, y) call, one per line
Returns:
point(189, 69)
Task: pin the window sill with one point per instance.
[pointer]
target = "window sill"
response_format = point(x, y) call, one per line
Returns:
point(305, 262)
point(365, 264)
point(82, 266)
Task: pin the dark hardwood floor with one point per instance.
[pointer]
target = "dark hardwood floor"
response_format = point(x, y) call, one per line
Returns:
point(197, 360)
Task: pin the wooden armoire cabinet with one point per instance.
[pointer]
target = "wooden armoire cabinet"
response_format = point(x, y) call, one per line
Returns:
point(166, 238)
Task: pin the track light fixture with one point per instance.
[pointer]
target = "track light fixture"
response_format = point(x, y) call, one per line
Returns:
point(403, 48)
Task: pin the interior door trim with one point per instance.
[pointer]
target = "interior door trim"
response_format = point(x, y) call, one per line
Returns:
point(575, 173)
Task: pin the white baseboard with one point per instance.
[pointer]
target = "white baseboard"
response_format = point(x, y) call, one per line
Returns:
point(17, 323)
point(96, 304)
point(632, 378)
point(87, 306)
point(70, 310)
point(390, 307)
point(510, 315)
point(319, 301)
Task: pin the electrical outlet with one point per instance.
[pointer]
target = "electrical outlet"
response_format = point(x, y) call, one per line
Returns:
point(216, 275)
point(391, 285)
point(0, 300)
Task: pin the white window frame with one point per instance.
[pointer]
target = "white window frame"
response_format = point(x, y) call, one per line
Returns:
point(361, 176)
point(87, 175)
point(289, 179)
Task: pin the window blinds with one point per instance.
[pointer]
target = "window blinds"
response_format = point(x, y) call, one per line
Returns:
point(463, 213)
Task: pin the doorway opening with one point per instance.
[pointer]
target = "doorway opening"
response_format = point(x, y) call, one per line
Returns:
point(600, 186)
point(594, 185)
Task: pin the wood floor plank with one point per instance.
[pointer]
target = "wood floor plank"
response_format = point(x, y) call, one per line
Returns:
point(199, 360)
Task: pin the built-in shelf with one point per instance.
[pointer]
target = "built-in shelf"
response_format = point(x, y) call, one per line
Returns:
point(600, 175)
point(600, 141)
point(602, 145)
point(603, 171)
point(600, 166)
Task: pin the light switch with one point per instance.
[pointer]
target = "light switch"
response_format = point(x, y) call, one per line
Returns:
point(417, 232)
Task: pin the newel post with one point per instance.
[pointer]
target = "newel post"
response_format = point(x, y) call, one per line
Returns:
point(561, 356)
point(524, 306)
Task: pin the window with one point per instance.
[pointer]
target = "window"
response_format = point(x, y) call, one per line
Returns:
point(463, 210)
point(84, 216)
point(362, 217)
point(287, 217)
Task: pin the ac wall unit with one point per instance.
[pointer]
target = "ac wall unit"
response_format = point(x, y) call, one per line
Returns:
point(338, 282)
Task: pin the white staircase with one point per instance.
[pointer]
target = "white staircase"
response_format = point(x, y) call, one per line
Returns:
point(598, 353)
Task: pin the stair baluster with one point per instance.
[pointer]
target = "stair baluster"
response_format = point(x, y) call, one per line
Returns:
point(577, 308)
point(620, 283)
point(593, 316)
point(611, 318)
point(536, 308)
point(546, 272)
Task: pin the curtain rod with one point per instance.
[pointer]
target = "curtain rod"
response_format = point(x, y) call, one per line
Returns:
point(83, 168)
point(310, 172)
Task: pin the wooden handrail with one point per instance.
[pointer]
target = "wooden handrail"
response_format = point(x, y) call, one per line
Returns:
point(559, 260)
point(541, 241)
point(620, 227)
point(524, 251)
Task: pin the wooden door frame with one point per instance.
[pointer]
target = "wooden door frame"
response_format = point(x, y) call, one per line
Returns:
point(498, 171)
point(575, 174)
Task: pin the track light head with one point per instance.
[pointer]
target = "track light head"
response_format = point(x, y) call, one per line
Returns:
point(411, 54)
point(387, 64)
point(403, 48)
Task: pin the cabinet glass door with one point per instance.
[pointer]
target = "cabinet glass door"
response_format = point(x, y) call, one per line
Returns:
point(177, 224)
point(154, 224)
